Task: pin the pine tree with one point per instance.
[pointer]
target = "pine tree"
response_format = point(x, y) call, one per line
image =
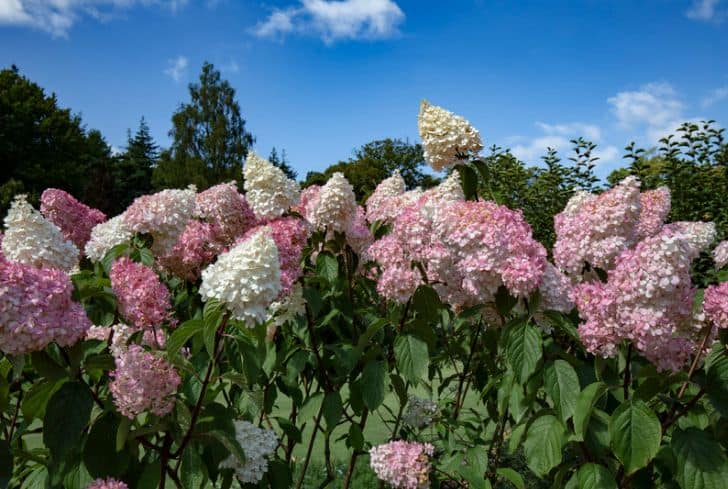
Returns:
point(282, 163)
point(136, 164)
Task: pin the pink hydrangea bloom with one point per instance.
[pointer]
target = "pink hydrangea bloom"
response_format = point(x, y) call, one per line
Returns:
point(75, 219)
point(555, 290)
point(402, 464)
point(654, 208)
point(308, 195)
point(163, 215)
point(715, 304)
point(597, 228)
point(143, 299)
point(36, 308)
point(290, 235)
point(197, 246)
point(108, 483)
point(227, 208)
point(384, 204)
point(143, 382)
point(358, 235)
point(647, 300)
point(720, 254)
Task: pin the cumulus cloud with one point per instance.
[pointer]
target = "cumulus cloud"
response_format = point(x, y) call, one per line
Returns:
point(177, 67)
point(334, 20)
point(705, 10)
point(654, 104)
point(58, 16)
point(715, 96)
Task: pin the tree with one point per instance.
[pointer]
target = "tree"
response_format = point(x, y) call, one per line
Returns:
point(43, 145)
point(282, 163)
point(135, 166)
point(210, 142)
point(376, 161)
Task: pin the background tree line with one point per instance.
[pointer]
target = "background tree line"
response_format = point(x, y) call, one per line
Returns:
point(43, 145)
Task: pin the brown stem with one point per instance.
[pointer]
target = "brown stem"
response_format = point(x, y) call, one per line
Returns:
point(355, 454)
point(15, 416)
point(205, 382)
point(672, 419)
point(459, 397)
point(696, 360)
point(494, 451)
point(628, 373)
point(309, 450)
point(164, 461)
point(398, 421)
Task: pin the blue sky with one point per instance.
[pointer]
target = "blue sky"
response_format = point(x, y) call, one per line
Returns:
point(319, 77)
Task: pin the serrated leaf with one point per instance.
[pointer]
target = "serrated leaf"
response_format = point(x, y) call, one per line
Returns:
point(182, 335)
point(66, 418)
point(327, 266)
point(562, 384)
point(544, 444)
point(412, 357)
point(702, 464)
point(523, 350)
point(585, 402)
point(372, 384)
point(99, 453)
point(635, 434)
point(717, 384)
point(332, 410)
point(595, 476)
point(511, 476)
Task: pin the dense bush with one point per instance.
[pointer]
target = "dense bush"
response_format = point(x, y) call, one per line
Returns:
point(427, 339)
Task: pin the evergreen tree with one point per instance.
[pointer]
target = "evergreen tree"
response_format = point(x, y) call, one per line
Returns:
point(210, 142)
point(135, 166)
point(282, 163)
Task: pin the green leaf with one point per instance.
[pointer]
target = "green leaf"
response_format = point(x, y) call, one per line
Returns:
point(584, 404)
point(46, 366)
point(635, 434)
point(511, 476)
point(212, 317)
point(150, 476)
point(35, 402)
point(544, 443)
point(595, 476)
point(332, 409)
point(6, 464)
point(66, 418)
point(327, 266)
point(193, 472)
point(523, 350)
point(700, 459)
point(372, 384)
point(356, 437)
point(469, 181)
point(562, 384)
point(412, 357)
point(99, 453)
point(229, 442)
point(717, 384)
point(122, 433)
point(426, 301)
point(182, 335)
point(280, 474)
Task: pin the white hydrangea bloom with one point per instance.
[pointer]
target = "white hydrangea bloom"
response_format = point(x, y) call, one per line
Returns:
point(105, 236)
point(287, 308)
point(163, 215)
point(258, 445)
point(446, 137)
point(383, 204)
point(246, 278)
point(33, 240)
point(698, 234)
point(419, 412)
point(449, 190)
point(555, 290)
point(335, 206)
point(269, 191)
point(720, 254)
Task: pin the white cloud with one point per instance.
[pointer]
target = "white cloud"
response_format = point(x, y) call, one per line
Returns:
point(58, 16)
point(715, 96)
point(573, 129)
point(230, 67)
point(177, 68)
point(705, 10)
point(654, 105)
point(334, 20)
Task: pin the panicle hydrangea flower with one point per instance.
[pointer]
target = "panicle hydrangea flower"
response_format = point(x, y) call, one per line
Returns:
point(143, 382)
point(720, 255)
point(259, 445)
point(308, 194)
point(36, 308)
point(715, 304)
point(197, 246)
point(419, 412)
point(247, 278)
point(105, 236)
point(269, 191)
point(108, 483)
point(597, 228)
point(647, 300)
point(290, 235)
point(335, 205)
point(34, 240)
point(75, 219)
point(654, 208)
point(402, 464)
point(358, 235)
point(286, 309)
point(225, 207)
point(699, 235)
point(446, 137)
point(385, 202)
point(143, 299)
point(163, 215)
point(555, 290)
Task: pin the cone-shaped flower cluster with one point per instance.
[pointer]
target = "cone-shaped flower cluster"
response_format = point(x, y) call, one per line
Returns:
point(33, 240)
point(334, 207)
point(163, 215)
point(385, 202)
point(143, 382)
point(143, 299)
point(107, 483)
point(269, 191)
point(105, 236)
point(76, 220)
point(246, 278)
point(720, 254)
point(402, 464)
point(447, 138)
point(715, 305)
point(225, 207)
point(258, 445)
